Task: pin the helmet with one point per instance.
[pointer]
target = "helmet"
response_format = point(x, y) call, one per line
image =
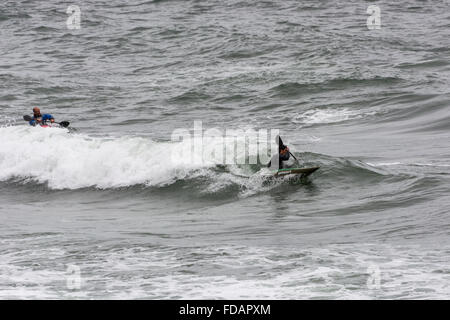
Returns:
point(277, 139)
point(36, 110)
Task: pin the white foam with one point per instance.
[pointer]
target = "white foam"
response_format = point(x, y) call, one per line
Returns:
point(75, 161)
point(230, 272)
point(329, 115)
point(381, 164)
point(396, 163)
point(72, 161)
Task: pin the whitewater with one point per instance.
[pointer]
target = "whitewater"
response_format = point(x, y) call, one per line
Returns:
point(115, 208)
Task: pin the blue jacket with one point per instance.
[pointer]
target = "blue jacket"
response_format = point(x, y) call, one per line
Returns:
point(45, 117)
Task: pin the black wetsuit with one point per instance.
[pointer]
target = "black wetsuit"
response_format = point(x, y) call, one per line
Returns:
point(283, 157)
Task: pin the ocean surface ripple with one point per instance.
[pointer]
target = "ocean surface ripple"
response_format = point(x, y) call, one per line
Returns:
point(370, 107)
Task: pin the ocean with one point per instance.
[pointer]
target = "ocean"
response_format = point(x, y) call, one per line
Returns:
point(105, 211)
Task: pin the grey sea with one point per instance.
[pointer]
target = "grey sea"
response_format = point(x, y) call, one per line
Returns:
point(102, 211)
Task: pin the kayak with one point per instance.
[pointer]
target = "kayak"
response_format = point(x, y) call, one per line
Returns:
point(50, 126)
point(303, 172)
point(62, 124)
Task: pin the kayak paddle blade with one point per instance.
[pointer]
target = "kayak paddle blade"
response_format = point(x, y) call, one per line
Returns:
point(64, 124)
point(27, 118)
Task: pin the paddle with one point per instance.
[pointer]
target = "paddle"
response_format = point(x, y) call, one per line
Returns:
point(294, 157)
point(63, 124)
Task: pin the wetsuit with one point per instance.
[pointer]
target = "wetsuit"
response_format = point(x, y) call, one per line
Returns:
point(284, 155)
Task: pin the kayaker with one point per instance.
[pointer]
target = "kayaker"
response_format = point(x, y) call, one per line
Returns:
point(283, 154)
point(39, 118)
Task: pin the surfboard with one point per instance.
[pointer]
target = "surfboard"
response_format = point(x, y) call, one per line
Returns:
point(304, 172)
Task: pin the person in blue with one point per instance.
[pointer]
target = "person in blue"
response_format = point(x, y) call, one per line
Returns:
point(39, 118)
